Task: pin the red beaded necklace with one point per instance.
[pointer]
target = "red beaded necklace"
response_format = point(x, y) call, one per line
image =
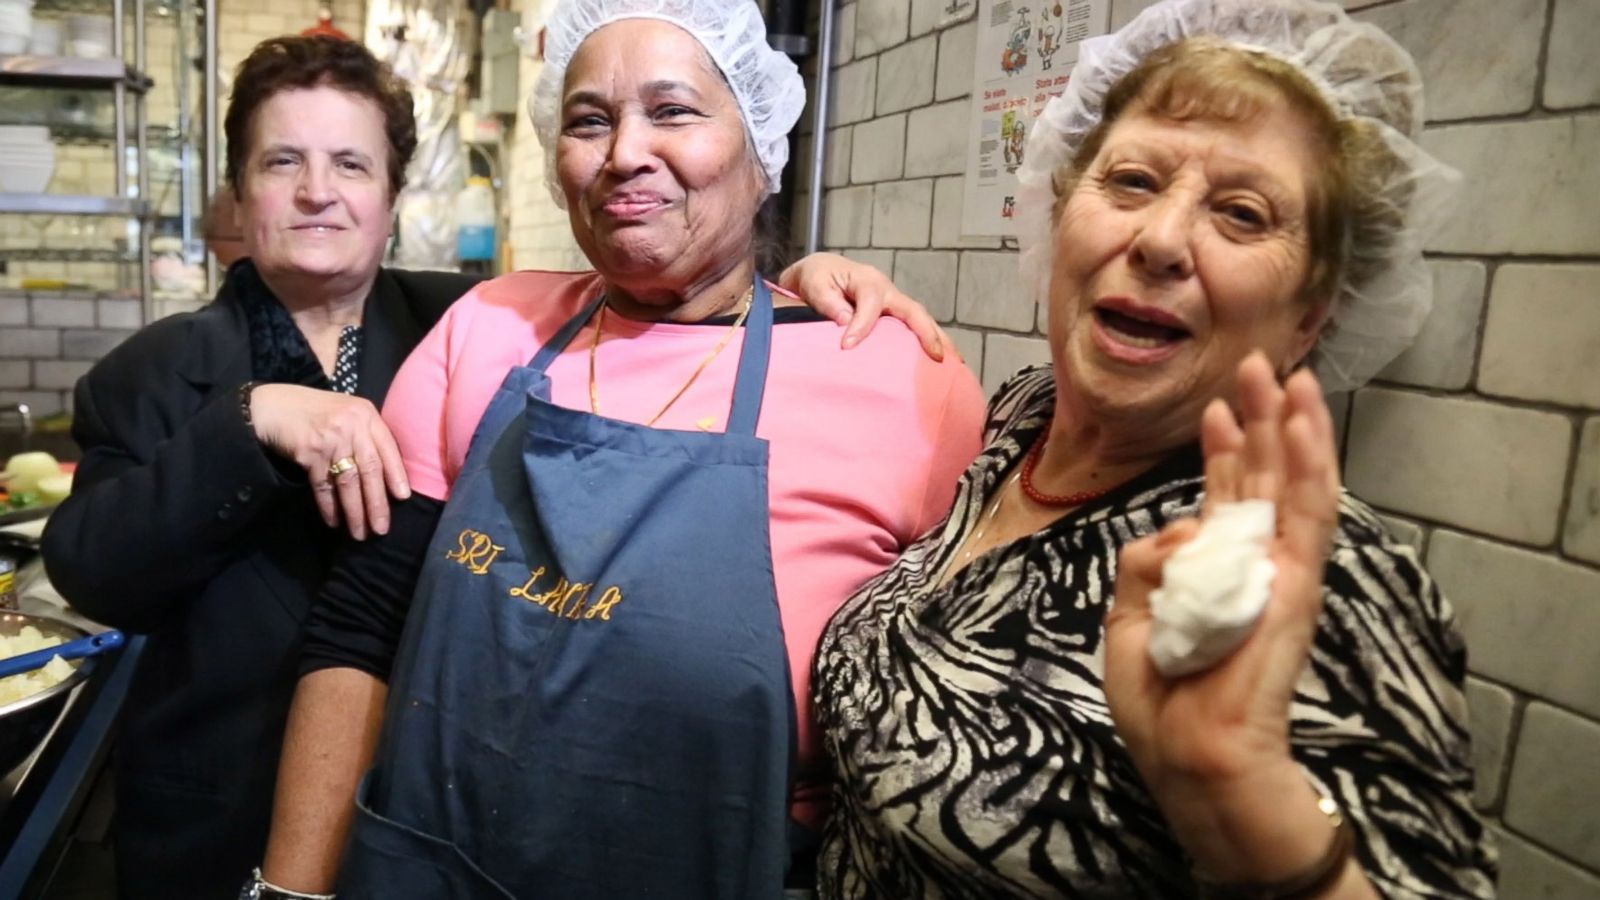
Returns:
point(1032, 460)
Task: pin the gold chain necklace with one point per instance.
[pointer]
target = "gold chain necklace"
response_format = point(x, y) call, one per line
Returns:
point(594, 347)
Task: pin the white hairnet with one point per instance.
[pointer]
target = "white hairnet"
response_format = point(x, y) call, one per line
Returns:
point(1385, 294)
point(765, 82)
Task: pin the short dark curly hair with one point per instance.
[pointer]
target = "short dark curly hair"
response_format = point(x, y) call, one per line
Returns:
point(299, 62)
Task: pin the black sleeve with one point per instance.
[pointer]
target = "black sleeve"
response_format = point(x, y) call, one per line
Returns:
point(357, 620)
point(159, 505)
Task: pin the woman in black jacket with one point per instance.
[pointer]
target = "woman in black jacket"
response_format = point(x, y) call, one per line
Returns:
point(191, 519)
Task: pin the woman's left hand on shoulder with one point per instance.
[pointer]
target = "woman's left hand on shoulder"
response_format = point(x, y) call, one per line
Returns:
point(856, 295)
point(1222, 734)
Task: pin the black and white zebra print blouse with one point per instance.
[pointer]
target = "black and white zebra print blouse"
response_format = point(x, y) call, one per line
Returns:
point(974, 755)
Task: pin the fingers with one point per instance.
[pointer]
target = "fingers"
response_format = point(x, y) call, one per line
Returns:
point(1261, 404)
point(1310, 507)
point(917, 318)
point(347, 488)
point(1139, 567)
point(374, 490)
point(394, 467)
point(871, 297)
point(821, 280)
point(1222, 444)
point(322, 492)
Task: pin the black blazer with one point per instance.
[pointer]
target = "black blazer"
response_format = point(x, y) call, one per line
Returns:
point(183, 527)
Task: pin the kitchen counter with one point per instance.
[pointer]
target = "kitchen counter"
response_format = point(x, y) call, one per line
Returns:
point(40, 801)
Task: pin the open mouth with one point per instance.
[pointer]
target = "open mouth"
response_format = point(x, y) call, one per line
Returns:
point(318, 229)
point(1138, 331)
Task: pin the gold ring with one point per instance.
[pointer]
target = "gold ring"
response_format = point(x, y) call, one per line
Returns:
point(340, 466)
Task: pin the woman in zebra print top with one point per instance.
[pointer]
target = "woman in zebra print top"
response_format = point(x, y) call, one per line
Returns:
point(996, 724)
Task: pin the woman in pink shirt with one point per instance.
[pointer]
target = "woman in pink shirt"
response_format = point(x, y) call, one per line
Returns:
point(638, 494)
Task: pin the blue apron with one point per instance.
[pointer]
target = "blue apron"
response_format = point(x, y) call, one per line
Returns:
point(592, 696)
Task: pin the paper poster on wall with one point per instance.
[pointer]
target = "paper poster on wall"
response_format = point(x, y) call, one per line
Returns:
point(1026, 48)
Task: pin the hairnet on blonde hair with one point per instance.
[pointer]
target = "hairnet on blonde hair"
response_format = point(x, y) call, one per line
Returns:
point(765, 83)
point(1386, 291)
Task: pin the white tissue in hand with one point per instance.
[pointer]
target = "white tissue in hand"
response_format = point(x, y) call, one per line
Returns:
point(1213, 589)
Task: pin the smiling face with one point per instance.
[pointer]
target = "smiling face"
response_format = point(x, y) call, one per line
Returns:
point(314, 204)
point(660, 184)
point(1181, 248)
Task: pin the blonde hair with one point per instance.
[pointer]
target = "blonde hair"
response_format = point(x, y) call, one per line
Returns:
point(1205, 78)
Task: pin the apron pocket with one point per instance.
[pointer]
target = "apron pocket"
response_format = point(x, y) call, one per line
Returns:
point(386, 859)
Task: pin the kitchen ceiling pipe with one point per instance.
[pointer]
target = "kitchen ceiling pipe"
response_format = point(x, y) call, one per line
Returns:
point(819, 126)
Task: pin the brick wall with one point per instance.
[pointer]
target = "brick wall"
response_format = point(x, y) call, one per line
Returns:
point(541, 237)
point(50, 339)
point(1482, 443)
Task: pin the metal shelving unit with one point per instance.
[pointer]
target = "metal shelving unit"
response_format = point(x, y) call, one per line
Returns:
point(124, 78)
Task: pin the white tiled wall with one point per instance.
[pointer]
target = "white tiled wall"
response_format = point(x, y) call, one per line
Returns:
point(1482, 442)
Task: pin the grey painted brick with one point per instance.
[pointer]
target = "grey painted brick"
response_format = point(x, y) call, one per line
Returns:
point(1004, 354)
point(1529, 619)
point(847, 217)
point(1527, 871)
point(1489, 707)
point(854, 88)
point(36, 343)
point(926, 15)
point(1582, 535)
point(13, 309)
point(958, 49)
point(936, 139)
point(906, 74)
point(1478, 465)
point(947, 200)
point(1571, 77)
point(1554, 783)
point(901, 211)
point(90, 343)
point(844, 34)
point(1478, 57)
point(56, 374)
point(118, 313)
point(988, 292)
point(878, 149)
point(1542, 337)
point(1442, 355)
point(969, 344)
point(880, 24)
point(929, 277)
point(836, 167)
point(16, 374)
point(1403, 530)
point(55, 312)
point(40, 403)
point(882, 260)
point(1532, 186)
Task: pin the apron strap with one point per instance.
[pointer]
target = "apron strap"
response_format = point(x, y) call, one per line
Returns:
point(555, 345)
point(751, 382)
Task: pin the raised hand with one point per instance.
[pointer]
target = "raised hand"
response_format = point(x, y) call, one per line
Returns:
point(317, 429)
point(1213, 747)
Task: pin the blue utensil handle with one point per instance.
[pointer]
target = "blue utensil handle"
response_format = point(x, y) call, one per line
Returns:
point(93, 645)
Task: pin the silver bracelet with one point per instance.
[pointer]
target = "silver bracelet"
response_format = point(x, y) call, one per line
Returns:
point(258, 888)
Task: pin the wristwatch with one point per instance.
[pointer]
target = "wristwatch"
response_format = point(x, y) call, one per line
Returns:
point(258, 888)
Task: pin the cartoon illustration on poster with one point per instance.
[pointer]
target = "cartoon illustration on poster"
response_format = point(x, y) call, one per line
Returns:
point(1024, 55)
point(1013, 136)
point(1049, 34)
point(1015, 56)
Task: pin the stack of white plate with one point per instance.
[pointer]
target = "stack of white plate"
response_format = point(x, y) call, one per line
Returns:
point(27, 158)
point(16, 24)
point(88, 35)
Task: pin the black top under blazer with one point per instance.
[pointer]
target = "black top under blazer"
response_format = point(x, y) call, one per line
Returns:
point(183, 527)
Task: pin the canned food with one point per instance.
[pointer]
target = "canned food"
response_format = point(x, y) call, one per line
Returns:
point(8, 583)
